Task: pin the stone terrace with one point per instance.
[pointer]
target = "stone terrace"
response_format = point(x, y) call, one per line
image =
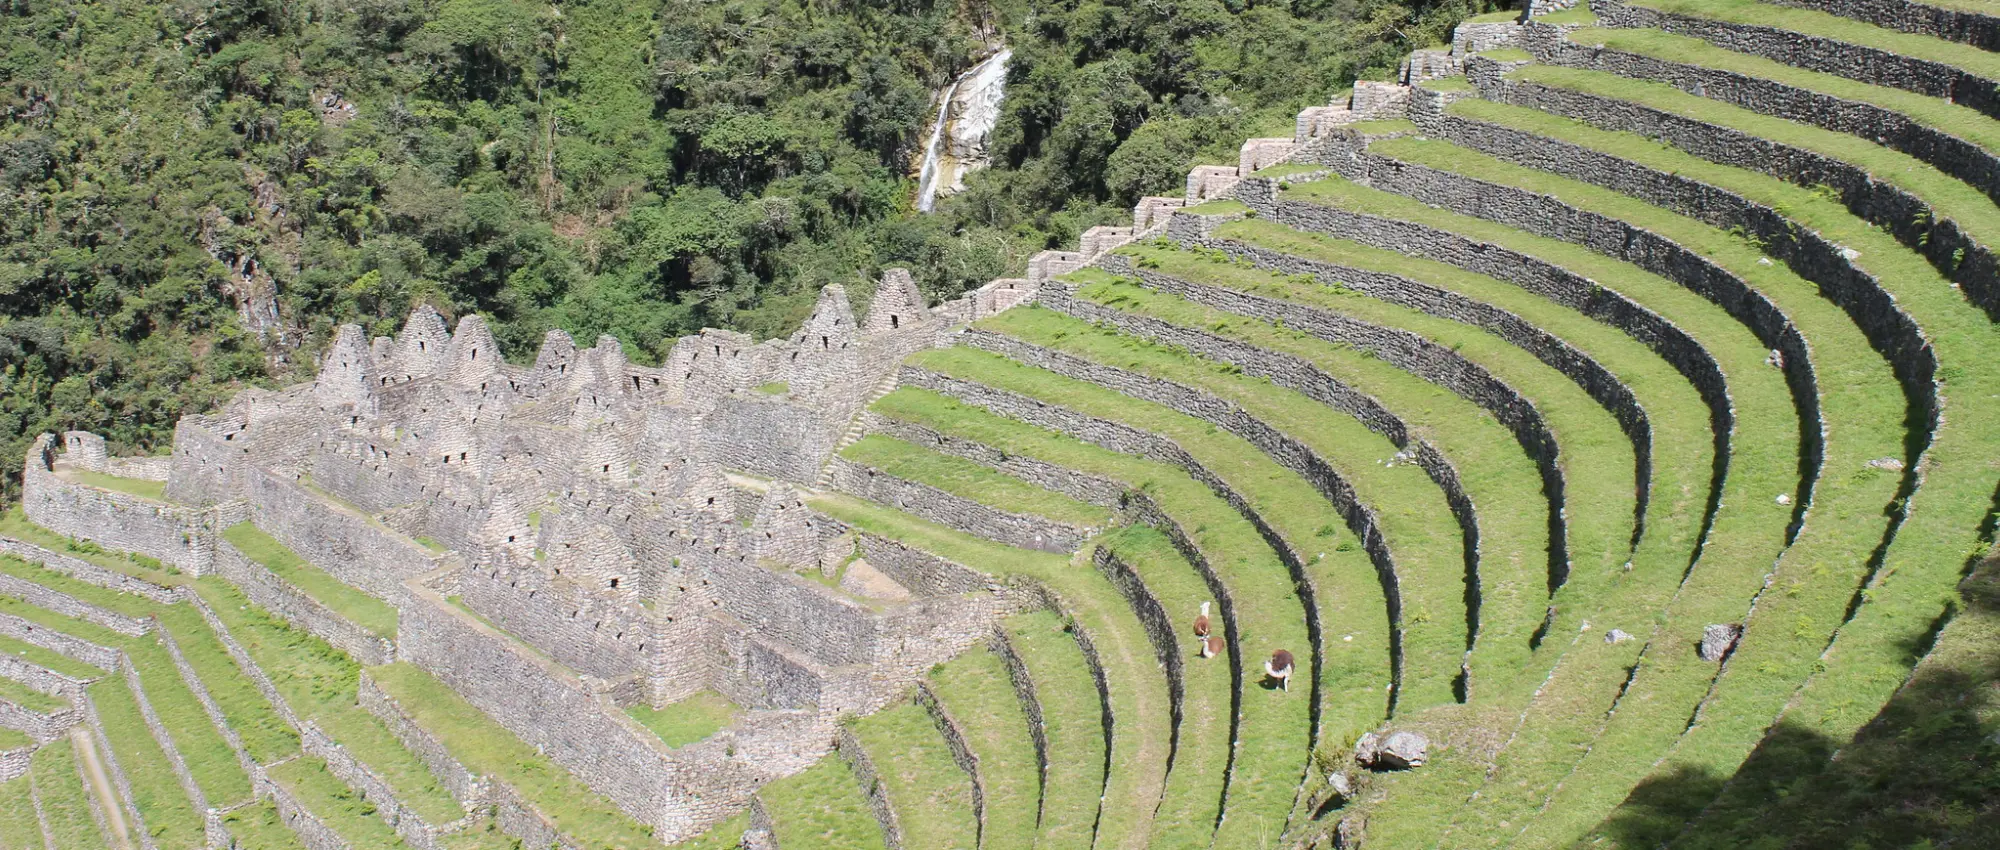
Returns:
point(1604, 403)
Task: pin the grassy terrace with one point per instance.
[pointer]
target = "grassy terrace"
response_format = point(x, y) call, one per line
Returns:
point(1493, 469)
point(1748, 534)
point(931, 796)
point(15, 524)
point(18, 825)
point(141, 487)
point(1961, 121)
point(1073, 719)
point(1415, 519)
point(208, 756)
point(687, 721)
point(1871, 655)
point(170, 816)
point(29, 698)
point(319, 683)
point(1861, 411)
point(258, 825)
point(977, 691)
point(485, 747)
point(1513, 577)
point(1571, 709)
point(1970, 59)
point(48, 658)
point(1953, 199)
point(822, 807)
point(1272, 733)
point(336, 805)
point(969, 480)
point(65, 803)
point(1139, 694)
point(372, 614)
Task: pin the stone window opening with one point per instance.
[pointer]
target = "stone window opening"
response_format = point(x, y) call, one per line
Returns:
point(461, 455)
point(635, 382)
point(607, 467)
point(825, 343)
point(614, 584)
point(895, 321)
point(475, 356)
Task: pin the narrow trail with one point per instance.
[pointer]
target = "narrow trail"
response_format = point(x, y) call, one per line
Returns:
point(100, 785)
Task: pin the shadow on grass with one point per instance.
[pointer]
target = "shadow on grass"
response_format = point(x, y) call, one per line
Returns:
point(1924, 773)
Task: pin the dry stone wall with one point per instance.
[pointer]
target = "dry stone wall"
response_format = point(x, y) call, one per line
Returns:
point(278, 596)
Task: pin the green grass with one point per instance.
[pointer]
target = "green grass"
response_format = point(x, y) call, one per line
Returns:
point(1567, 716)
point(1413, 514)
point(49, 658)
point(1951, 198)
point(976, 690)
point(1445, 84)
point(1576, 15)
point(1508, 54)
point(1072, 717)
point(169, 815)
point(1748, 533)
point(1273, 734)
point(111, 600)
point(1513, 566)
point(14, 523)
point(1871, 653)
point(968, 480)
point(11, 739)
point(209, 757)
point(1597, 460)
point(320, 683)
point(931, 796)
point(336, 805)
point(727, 835)
point(822, 807)
point(688, 720)
point(1824, 25)
point(1138, 686)
point(371, 614)
point(264, 734)
point(1221, 206)
point(143, 488)
point(258, 826)
point(18, 825)
point(29, 698)
point(487, 748)
point(1861, 412)
point(65, 804)
point(774, 388)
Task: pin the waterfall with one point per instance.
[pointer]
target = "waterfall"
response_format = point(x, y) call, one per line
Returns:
point(957, 141)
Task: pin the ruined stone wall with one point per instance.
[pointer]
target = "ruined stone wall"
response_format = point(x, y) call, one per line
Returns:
point(206, 466)
point(86, 571)
point(590, 634)
point(278, 596)
point(344, 544)
point(181, 536)
point(551, 710)
point(1024, 531)
point(920, 572)
point(369, 474)
point(741, 435)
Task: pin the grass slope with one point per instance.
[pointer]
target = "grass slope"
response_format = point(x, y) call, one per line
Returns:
point(1073, 720)
point(978, 692)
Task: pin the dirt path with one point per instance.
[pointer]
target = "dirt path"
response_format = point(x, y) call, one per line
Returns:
point(100, 785)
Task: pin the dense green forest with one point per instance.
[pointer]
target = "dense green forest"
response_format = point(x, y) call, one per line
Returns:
point(173, 172)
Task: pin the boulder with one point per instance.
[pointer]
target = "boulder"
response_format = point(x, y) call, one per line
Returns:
point(1617, 636)
point(1718, 639)
point(1396, 751)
